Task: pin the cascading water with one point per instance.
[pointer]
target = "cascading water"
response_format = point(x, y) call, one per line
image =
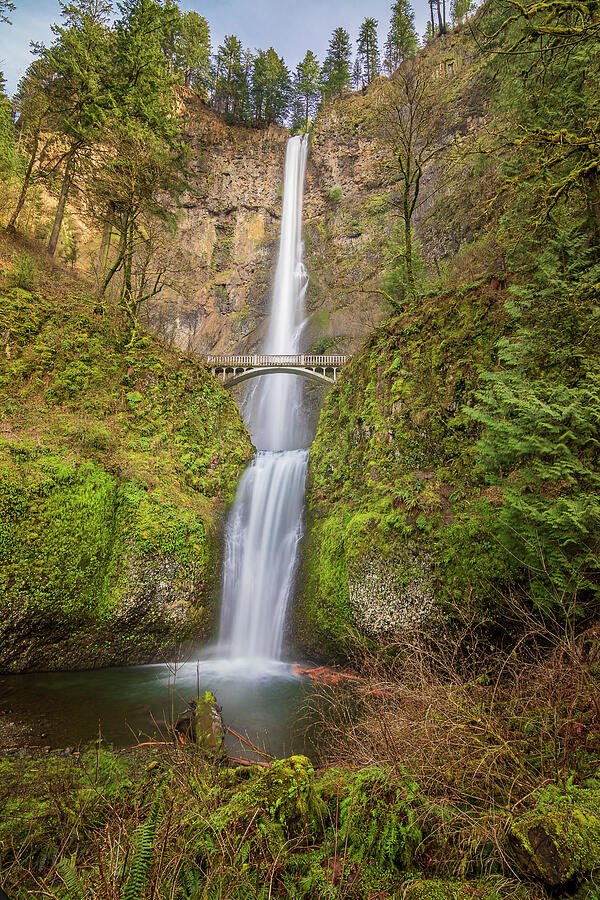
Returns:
point(265, 525)
point(261, 697)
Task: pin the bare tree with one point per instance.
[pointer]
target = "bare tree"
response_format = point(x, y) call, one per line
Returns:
point(408, 126)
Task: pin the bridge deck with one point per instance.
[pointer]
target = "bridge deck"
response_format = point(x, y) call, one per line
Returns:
point(270, 359)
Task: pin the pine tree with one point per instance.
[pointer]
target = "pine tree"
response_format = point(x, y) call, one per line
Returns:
point(402, 38)
point(307, 85)
point(460, 9)
point(229, 81)
point(10, 159)
point(37, 133)
point(357, 74)
point(192, 52)
point(143, 159)
point(271, 87)
point(78, 88)
point(6, 7)
point(336, 68)
point(368, 50)
point(170, 33)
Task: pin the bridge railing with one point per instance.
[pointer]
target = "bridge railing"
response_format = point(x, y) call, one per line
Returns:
point(280, 359)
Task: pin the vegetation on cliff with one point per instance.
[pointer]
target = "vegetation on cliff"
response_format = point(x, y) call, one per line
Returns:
point(456, 462)
point(117, 457)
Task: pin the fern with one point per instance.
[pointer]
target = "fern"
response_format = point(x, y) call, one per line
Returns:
point(143, 856)
point(192, 884)
point(67, 870)
point(540, 418)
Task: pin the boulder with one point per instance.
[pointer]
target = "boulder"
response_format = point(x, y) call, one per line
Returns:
point(559, 840)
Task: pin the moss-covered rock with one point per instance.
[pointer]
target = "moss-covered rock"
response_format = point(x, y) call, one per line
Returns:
point(117, 456)
point(283, 794)
point(484, 889)
point(559, 840)
point(398, 516)
point(203, 725)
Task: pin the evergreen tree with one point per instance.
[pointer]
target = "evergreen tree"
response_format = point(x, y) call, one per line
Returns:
point(143, 156)
point(460, 9)
point(6, 7)
point(307, 85)
point(402, 37)
point(142, 84)
point(10, 158)
point(357, 74)
point(78, 88)
point(192, 53)
point(170, 33)
point(271, 87)
point(368, 51)
point(230, 81)
point(336, 68)
point(37, 134)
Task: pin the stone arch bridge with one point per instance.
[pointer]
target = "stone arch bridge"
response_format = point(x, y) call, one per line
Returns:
point(232, 370)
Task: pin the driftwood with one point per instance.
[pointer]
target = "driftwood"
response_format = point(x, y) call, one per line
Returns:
point(242, 761)
point(325, 674)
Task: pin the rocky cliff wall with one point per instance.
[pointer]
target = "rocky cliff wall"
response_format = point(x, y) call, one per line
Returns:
point(221, 257)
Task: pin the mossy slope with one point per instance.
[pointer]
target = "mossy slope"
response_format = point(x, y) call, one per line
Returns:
point(397, 516)
point(116, 458)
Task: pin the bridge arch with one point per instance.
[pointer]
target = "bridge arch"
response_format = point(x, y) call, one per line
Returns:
point(231, 370)
point(231, 379)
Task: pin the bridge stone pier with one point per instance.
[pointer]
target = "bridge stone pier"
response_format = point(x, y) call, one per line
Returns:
point(232, 370)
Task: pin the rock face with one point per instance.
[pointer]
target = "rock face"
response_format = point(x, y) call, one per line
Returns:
point(222, 254)
point(222, 257)
point(397, 518)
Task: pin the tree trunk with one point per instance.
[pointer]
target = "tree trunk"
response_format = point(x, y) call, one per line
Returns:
point(126, 291)
point(62, 202)
point(410, 277)
point(432, 19)
point(104, 249)
point(24, 189)
point(594, 200)
point(439, 14)
point(444, 14)
point(119, 259)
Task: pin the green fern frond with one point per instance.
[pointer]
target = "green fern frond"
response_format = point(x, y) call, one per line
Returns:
point(67, 869)
point(143, 856)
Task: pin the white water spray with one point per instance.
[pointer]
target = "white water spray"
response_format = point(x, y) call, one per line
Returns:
point(265, 525)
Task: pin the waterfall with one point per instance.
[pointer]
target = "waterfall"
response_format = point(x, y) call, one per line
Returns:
point(265, 524)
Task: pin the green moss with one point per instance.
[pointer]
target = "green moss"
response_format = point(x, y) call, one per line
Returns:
point(392, 479)
point(283, 794)
point(560, 837)
point(120, 455)
point(486, 889)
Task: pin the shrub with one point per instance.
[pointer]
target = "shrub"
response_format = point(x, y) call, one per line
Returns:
point(22, 273)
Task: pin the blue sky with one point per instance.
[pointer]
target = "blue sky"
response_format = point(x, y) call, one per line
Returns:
point(292, 28)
